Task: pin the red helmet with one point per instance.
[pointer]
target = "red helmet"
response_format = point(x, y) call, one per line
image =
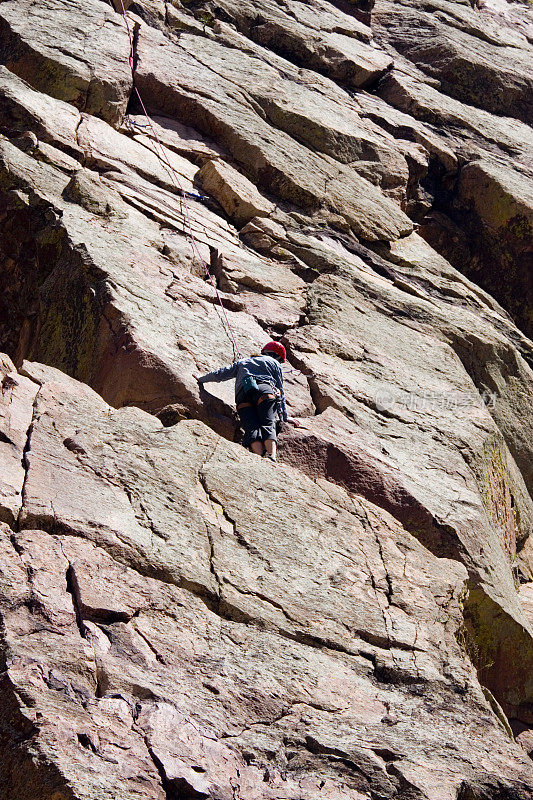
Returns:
point(275, 347)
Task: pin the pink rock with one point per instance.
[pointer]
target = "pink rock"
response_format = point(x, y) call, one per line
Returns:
point(238, 197)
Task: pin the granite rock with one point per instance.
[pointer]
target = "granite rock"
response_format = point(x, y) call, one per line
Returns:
point(180, 618)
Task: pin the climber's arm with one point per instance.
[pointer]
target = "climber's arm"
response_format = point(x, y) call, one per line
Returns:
point(218, 375)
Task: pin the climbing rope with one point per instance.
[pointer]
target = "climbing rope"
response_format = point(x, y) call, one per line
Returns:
point(184, 206)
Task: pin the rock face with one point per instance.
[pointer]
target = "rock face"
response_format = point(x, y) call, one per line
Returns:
point(494, 206)
point(86, 65)
point(173, 642)
point(453, 65)
point(179, 618)
point(238, 197)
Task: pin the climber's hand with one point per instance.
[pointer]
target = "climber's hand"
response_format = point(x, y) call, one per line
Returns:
point(294, 421)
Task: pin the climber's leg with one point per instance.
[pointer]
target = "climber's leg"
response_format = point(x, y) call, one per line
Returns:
point(267, 416)
point(252, 430)
point(271, 448)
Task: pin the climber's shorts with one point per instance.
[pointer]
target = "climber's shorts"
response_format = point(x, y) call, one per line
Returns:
point(259, 418)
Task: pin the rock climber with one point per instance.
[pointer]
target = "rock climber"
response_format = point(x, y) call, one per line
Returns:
point(259, 396)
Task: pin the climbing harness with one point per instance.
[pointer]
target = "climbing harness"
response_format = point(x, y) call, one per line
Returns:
point(266, 397)
point(259, 401)
point(184, 207)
